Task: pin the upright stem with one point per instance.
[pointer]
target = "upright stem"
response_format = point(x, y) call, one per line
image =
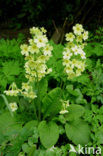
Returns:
point(38, 97)
point(39, 103)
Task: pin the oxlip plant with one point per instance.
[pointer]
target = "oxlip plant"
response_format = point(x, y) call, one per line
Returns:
point(52, 109)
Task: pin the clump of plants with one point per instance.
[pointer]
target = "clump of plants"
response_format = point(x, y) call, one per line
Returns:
point(53, 115)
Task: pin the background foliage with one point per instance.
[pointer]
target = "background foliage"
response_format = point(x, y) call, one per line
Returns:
point(24, 13)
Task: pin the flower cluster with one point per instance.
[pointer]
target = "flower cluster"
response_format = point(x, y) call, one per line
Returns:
point(13, 90)
point(36, 54)
point(73, 54)
point(65, 105)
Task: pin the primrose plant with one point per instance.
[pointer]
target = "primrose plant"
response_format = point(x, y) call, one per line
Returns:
point(48, 104)
point(36, 54)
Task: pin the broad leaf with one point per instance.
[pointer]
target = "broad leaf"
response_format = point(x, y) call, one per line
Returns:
point(8, 127)
point(51, 103)
point(49, 133)
point(74, 112)
point(78, 132)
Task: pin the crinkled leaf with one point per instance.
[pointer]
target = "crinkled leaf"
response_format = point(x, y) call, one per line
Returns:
point(8, 126)
point(78, 131)
point(51, 103)
point(74, 112)
point(49, 133)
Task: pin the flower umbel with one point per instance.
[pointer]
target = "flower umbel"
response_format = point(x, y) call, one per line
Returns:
point(73, 55)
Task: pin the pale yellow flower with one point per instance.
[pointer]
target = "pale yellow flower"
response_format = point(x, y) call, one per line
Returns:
point(85, 35)
point(31, 95)
point(67, 55)
point(78, 72)
point(35, 31)
point(13, 106)
point(78, 29)
point(76, 50)
point(83, 56)
point(65, 105)
point(11, 92)
point(24, 49)
point(33, 49)
point(49, 70)
point(41, 41)
point(31, 41)
point(47, 50)
point(43, 30)
point(63, 111)
point(79, 38)
point(69, 37)
point(66, 62)
point(26, 86)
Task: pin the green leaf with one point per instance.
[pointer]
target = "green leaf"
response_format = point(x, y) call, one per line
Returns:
point(25, 148)
point(78, 132)
point(11, 68)
point(10, 48)
point(43, 84)
point(3, 80)
point(57, 50)
point(56, 62)
point(28, 129)
point(74, 112)
point(69, 88)
point(74, 92)
point(83, 79)
point(25, 133)
point(8, 127)
point(32, 151)
point(49, 133)
point(94, 48)
point(51, 103)
point(99, 135)
point(50, 153)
